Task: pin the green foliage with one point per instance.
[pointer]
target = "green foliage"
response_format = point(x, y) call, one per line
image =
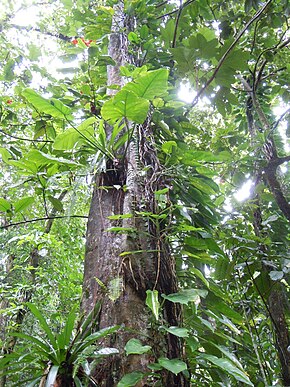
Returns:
point(54, 136)
point(67, 356)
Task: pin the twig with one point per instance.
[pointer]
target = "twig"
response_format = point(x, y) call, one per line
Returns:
point(176, 10)
point(176, 24)
point(29, 29)
point(22, 138)
point(44, 218)
point(280, 119)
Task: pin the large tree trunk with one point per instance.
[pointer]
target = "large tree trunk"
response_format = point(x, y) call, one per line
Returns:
point(120, 282)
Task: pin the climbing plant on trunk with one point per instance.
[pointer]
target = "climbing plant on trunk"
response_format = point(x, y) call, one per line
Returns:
point(127, 252)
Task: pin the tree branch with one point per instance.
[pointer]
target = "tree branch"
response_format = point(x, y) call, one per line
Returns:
point(275, 187)
point(29, 29)
point(45, 218)
point(280, 119)
point(176, 24)
point(223, 58)
point(176, 10)
point(22, 138)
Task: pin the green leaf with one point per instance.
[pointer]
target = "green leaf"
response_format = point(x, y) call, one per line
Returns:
point(228, 366)
point(57, 204)
point(125, 104)
point(134, 346)
point(130, 380)
point(41, 158)
point(23, 203)
point(186, 296)
point(6, 155)
point(43, 324)
point(227, 311)
point(176, 331)
point(33, 340)
point(153, 84)
point(71, 138)
point(173, 365)
point(168, 147)
point(64, 338)
point(87, 341)
point(4, 205)
point(53, 107)
point(152, 302)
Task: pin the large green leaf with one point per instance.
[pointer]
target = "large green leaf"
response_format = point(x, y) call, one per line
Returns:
point(4, 205)
point(130, 380)
point(134, 346)
point(176, 331)
point(53, 107)
point(151, 85)
point(228, 366)
point(125, 104)
point(6, 155)
point(172, 365)
point(71, 137)
point(22, 204)
point(186, 296)
point(41, 158)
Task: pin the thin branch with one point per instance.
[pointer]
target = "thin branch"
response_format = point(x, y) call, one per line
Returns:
point(45, 218)
point(223, 58)
point(161, 4)
point(54, 35)
point(176, 10)
point(22, 138)
point(280, 119)
point(273, 73)
point(176, 24)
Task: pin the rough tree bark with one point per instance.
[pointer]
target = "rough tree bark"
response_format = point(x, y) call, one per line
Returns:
point(131, 275)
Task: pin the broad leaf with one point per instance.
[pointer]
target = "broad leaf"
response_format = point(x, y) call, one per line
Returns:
point(179, 332)
point(134, 346)
point(151, 85)
point(71, 137)
point(64, 338)
point(186, 296)
point(4, 205)
point(172, 365)
point(53, 107)
point(125, 104)
point(130, 380)
point(23, 203)
point(228, 366)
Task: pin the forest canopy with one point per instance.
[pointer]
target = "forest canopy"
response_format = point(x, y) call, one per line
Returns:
point(144, 204)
